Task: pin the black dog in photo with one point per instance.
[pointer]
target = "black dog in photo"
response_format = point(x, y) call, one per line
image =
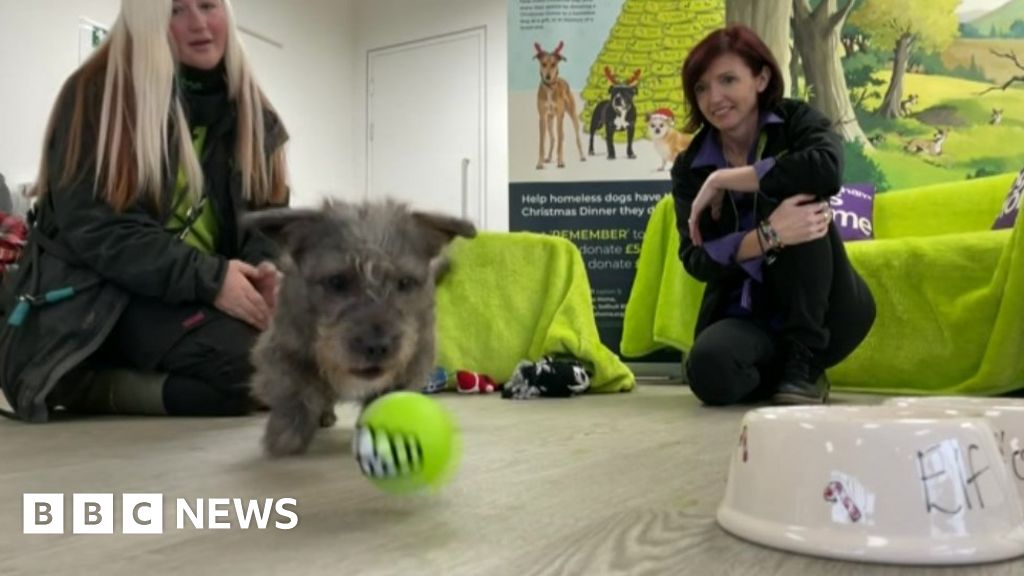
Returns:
point(616, 114)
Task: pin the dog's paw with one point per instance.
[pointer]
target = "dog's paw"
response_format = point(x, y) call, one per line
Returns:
point(286, 437)
point(285, 443)
point(328, 418)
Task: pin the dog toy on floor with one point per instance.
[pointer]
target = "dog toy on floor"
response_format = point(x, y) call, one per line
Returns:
point(548, 377)
point(437, 381)
point(473, 383)
point(406, 442)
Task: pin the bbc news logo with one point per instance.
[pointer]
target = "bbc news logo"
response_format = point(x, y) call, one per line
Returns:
point(144, 513)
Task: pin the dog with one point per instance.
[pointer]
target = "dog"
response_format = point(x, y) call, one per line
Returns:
point(668, 141)
point(554, 102)
point(997, 117)
point(932, 147)
point(355, 311)
point(907, 105)
point(616, 114)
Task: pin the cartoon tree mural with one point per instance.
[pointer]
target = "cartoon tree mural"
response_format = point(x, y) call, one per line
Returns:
point(654, 37)
point(1012, 56)
point(770, 19)
point(908, 25)
point(817, 38)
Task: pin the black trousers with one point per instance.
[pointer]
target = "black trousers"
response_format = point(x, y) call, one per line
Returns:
point(824, 306)
point(203, 352)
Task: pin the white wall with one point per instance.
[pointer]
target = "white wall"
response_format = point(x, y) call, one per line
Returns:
point(309, 80)
point(381, 23)
point(38, 50)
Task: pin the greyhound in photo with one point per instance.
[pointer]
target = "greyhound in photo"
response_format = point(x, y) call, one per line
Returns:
point(554, 101)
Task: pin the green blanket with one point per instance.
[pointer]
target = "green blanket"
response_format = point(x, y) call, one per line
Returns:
point(947, 288)
point(519, 296)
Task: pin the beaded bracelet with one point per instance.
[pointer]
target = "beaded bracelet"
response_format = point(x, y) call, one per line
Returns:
point(771, 236)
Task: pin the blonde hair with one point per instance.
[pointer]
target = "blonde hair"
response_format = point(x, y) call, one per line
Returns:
point(139, 112)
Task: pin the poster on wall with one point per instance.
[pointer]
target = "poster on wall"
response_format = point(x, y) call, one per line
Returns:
point(595, 107)
point(932, 84)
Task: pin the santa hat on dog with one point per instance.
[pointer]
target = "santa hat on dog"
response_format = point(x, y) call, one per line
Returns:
point(665, 114)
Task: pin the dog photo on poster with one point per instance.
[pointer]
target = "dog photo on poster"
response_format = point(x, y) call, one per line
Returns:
point(595, 110)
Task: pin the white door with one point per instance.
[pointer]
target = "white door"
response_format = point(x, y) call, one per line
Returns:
point(426, 124)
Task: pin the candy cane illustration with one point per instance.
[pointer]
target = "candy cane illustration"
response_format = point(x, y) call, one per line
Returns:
point(835, 492)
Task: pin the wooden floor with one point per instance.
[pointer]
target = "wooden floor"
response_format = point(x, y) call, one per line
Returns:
point(623, 484)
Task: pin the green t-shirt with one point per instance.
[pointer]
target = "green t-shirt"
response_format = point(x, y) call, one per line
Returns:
point(203, 232)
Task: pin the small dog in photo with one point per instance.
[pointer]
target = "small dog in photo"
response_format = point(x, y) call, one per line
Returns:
point(668, 142)
point(355, 310)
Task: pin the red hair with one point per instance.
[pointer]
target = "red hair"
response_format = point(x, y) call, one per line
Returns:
point(733, 39)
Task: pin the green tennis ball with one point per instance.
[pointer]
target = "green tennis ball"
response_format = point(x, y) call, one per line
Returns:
point(406, 442)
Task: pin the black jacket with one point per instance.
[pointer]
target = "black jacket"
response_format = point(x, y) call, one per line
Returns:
point(808, 160)
point(77, 240)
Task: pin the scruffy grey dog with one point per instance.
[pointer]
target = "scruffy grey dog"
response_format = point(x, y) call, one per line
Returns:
point(355, 310)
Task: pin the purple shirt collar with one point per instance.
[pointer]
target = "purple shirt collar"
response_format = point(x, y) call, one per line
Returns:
point(710, 153)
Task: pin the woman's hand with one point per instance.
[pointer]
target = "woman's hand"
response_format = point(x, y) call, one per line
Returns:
point(267, 283)
point(709, 196)
point(239, 296)
point(801, 218)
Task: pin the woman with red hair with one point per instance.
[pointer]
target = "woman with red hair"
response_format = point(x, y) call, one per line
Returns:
point(782, 302)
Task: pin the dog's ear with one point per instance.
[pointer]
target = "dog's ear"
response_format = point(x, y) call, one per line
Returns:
point(284, 226)
point(437, 230)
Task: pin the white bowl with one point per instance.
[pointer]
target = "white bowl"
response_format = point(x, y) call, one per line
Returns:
point(1005, 414)
point(873, 483)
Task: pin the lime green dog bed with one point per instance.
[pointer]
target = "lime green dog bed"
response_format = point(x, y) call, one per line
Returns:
point(519, 296)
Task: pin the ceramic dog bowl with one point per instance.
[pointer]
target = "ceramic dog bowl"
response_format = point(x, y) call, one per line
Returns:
point(1005, 414)
point(873, 483)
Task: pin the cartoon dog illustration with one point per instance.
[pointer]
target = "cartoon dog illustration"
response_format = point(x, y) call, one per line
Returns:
point(906, 106)
point(932, 147)
point(616, 114)
point(554, 102)
point(668, 141)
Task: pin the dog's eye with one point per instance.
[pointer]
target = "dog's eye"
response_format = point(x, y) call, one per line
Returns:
point(338, 282)
point(407, 283)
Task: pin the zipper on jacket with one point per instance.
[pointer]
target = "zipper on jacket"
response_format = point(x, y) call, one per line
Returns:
point(735, 212)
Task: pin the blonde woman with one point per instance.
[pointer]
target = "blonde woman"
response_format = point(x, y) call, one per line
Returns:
point(138, 292)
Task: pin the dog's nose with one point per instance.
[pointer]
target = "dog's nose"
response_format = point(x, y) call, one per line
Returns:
point(372, 348)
